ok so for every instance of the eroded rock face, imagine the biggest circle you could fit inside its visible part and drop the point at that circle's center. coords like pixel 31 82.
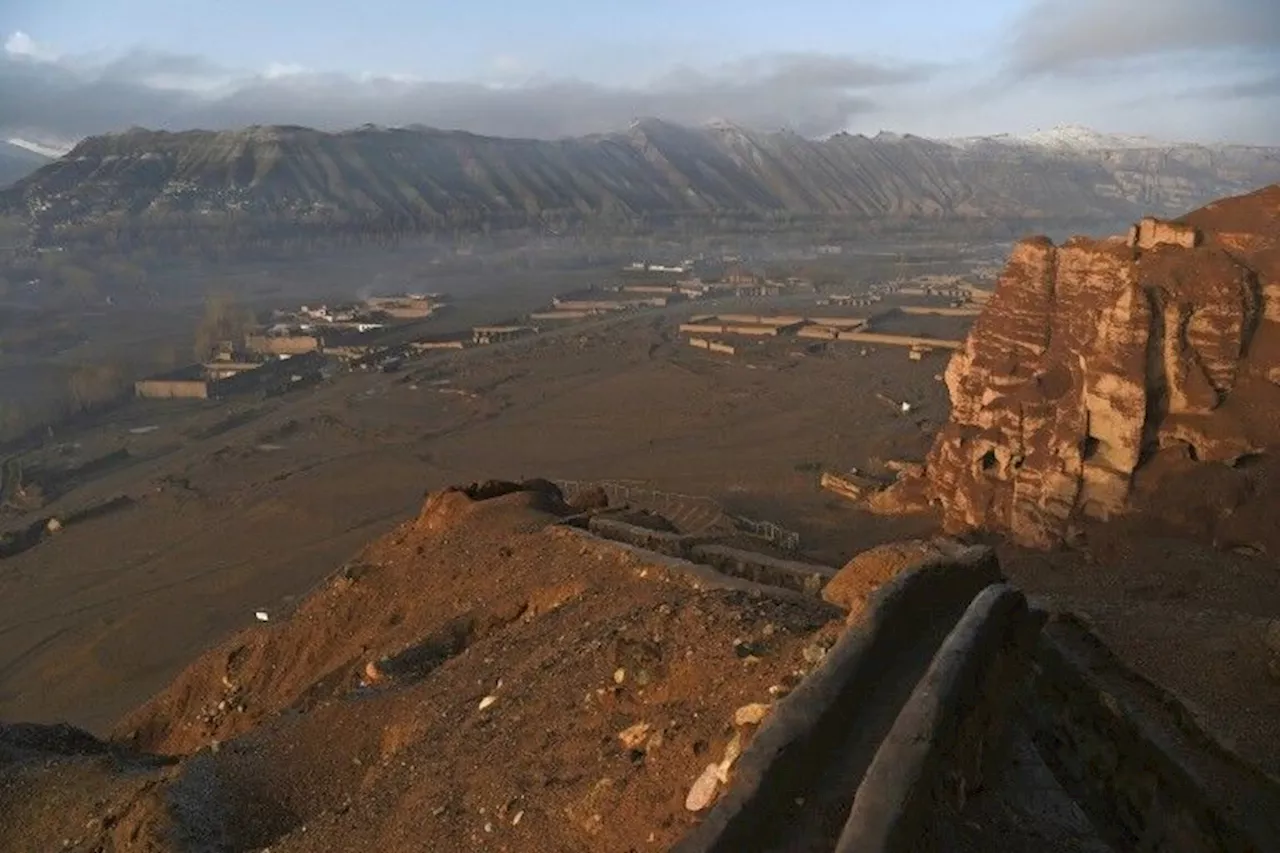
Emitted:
pixel 1092 356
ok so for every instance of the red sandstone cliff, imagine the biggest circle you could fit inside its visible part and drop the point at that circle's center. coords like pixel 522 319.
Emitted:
pixel 1097 360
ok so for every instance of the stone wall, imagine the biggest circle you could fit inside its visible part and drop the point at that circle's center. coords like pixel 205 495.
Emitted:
pixel 898 340
pixel 750 565
pixel 282 344
pixel 712 346
pixel 949 741
pixel 840 706
pixel 938 311
pixel 172 389
pixel 1152 232
pixel 662 541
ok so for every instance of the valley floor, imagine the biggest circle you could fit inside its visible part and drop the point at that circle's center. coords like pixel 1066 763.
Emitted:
pixel 246 506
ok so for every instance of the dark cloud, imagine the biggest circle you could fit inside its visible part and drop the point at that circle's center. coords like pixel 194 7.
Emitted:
pixel 813 94
pixel 1255 89
pixel 1084 35
pixel 54 101
pixel 147 67
pixel 817 70
pixel 1268 87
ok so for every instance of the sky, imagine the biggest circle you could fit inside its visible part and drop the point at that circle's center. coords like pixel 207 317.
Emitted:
pixel 1195 70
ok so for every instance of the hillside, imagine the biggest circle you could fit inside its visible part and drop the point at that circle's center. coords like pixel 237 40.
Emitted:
pixel 17 162
pixel 562 691
pixel 654 173
pixel 394 720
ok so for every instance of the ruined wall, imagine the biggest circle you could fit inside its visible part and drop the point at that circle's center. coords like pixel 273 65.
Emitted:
pixel 172 389
pixel 702 328
pixel 560 315
pixel 433 345
pixel 1152 232
pixel 712 346
pixel 839 322
pixel 937 311
pixel 760 331
pixel 753 566
pixel 282 344
pixel 898 340
pixel 761 319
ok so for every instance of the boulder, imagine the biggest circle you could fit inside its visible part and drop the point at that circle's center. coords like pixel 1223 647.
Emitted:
pixel 592 498
pixel 446 508
pixel 868 571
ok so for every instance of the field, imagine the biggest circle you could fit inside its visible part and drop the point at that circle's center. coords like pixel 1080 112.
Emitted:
pixel 244 505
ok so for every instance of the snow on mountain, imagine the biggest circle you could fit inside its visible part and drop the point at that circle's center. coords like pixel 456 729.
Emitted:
pixel 1072 138
pixel 1079 138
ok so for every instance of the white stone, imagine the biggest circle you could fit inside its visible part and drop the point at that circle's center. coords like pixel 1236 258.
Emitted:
pixel 751 715
pixel 633 737
pixel 703 792
pixel 731 752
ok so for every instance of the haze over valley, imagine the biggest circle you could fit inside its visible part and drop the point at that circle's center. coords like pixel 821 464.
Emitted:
pixel 704 427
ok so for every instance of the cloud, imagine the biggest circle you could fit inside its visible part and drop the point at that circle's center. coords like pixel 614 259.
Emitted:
pixel 276 70
pixel 68 98
pixel 19 44
pixel 1056 36
pixel 1253 89
pixel 159 70
pixel 825 71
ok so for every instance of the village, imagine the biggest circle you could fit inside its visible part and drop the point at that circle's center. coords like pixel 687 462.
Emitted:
pixel 300 346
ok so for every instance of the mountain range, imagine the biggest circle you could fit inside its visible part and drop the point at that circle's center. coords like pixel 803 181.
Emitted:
pixel 420 178
pixel 17 162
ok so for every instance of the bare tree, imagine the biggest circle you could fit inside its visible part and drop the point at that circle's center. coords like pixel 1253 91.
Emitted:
pixel 224 320
pixel 93 384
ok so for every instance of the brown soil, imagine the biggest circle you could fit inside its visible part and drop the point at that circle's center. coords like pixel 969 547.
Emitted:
pixel 575 640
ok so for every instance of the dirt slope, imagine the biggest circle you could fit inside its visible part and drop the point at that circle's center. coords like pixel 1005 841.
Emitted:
pixel 297 744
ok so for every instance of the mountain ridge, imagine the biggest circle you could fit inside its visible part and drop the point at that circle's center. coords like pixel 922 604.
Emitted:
pixel 423 178
pixel 17 162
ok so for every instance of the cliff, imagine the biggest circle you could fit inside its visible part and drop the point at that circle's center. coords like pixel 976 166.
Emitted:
pixel 1100 367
